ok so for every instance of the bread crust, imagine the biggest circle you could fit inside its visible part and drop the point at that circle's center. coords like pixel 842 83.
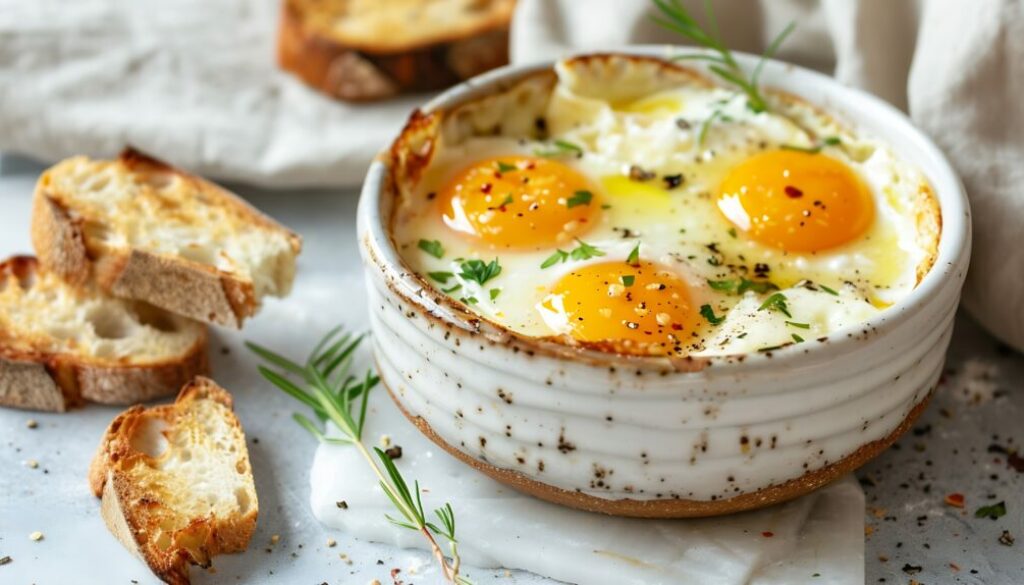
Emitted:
pixel 354 71
pixel 56 382
pixel 675 508
pixel 198 541
pixel 198 291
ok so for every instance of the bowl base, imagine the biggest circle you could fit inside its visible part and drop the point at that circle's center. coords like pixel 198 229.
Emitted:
pixel 675 508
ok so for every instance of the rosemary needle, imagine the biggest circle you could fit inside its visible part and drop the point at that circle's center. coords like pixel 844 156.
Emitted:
pixel 325 385
pixel 673 16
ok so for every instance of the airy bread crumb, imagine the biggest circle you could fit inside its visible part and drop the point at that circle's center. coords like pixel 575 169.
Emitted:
pixel 176 483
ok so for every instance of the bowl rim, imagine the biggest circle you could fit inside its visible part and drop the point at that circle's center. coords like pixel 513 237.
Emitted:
pixel 946 274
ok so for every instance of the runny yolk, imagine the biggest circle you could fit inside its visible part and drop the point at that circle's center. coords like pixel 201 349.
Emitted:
pixel 644 309
pixel 796 201
pixel 519 202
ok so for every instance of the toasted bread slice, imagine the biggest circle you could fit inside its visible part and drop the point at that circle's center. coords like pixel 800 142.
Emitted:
pixel 175 481
pixel 60 345
pixel 369 49
pixel 145 230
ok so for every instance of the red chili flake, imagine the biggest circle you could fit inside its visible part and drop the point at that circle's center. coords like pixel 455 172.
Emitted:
pixel 531 165
pixel 955 499
pixel 793 192
pixel 677 327
pixel 955 567
pixel 486 188
pixel 767 534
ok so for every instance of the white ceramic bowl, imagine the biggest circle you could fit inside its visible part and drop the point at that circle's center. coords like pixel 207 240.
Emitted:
pixel 645 436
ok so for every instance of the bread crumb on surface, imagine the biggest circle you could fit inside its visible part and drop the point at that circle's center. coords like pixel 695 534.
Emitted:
pixel 36 536
pixel 31 423
pixel 275 538
pixel 331 542
pixel 32 464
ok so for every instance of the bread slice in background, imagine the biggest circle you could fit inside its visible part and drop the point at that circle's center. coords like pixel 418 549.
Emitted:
pixel 361 50
pixel 176 483
pixel 61 345
pixel 145 230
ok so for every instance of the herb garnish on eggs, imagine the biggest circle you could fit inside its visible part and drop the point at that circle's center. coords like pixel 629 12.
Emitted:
pixel 629 226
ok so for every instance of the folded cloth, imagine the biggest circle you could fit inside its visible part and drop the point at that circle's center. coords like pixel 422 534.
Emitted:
pixel 194 82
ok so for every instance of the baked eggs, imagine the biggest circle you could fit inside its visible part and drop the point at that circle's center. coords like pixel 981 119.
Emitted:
pixel 578 274
pixel 662 216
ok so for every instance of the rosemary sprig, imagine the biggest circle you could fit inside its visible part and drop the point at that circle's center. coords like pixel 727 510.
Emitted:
pixel 325 385
pixel 720 60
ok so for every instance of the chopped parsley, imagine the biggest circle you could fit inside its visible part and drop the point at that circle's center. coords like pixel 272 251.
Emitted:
pixel 555 258
pixel 830 291
pixel 742 285
pixel 494 293
pixel 480 271
pixel 585 251
pixel 560 148
pixel 504 167
pixel 468 300
pixel 454 288
pixel 582 252
pixel 776 302
pixel 432 247
pixel 708 313
pixel 799 325
pixel 628 280
pixel 797 338
pixel 829 141
pixel 506 201
pixel 579 198
pixel 440 276
pixel 995 511
pixel 758 286
pixel 634 256
pixel 732 232
pixel 723 285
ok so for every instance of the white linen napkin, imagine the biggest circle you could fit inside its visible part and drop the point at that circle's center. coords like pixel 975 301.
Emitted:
pixel 192 81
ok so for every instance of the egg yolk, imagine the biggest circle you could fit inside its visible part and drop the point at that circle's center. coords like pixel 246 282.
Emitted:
pixel 796 201
pixel 643 309
pixel 518 202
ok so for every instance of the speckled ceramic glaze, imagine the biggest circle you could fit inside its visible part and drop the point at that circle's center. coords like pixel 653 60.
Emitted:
pixel 648 436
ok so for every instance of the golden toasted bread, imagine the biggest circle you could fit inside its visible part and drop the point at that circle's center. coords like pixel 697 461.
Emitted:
pixel 61 345
pixel 372 49
pixel 175 481
pixel 144 230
